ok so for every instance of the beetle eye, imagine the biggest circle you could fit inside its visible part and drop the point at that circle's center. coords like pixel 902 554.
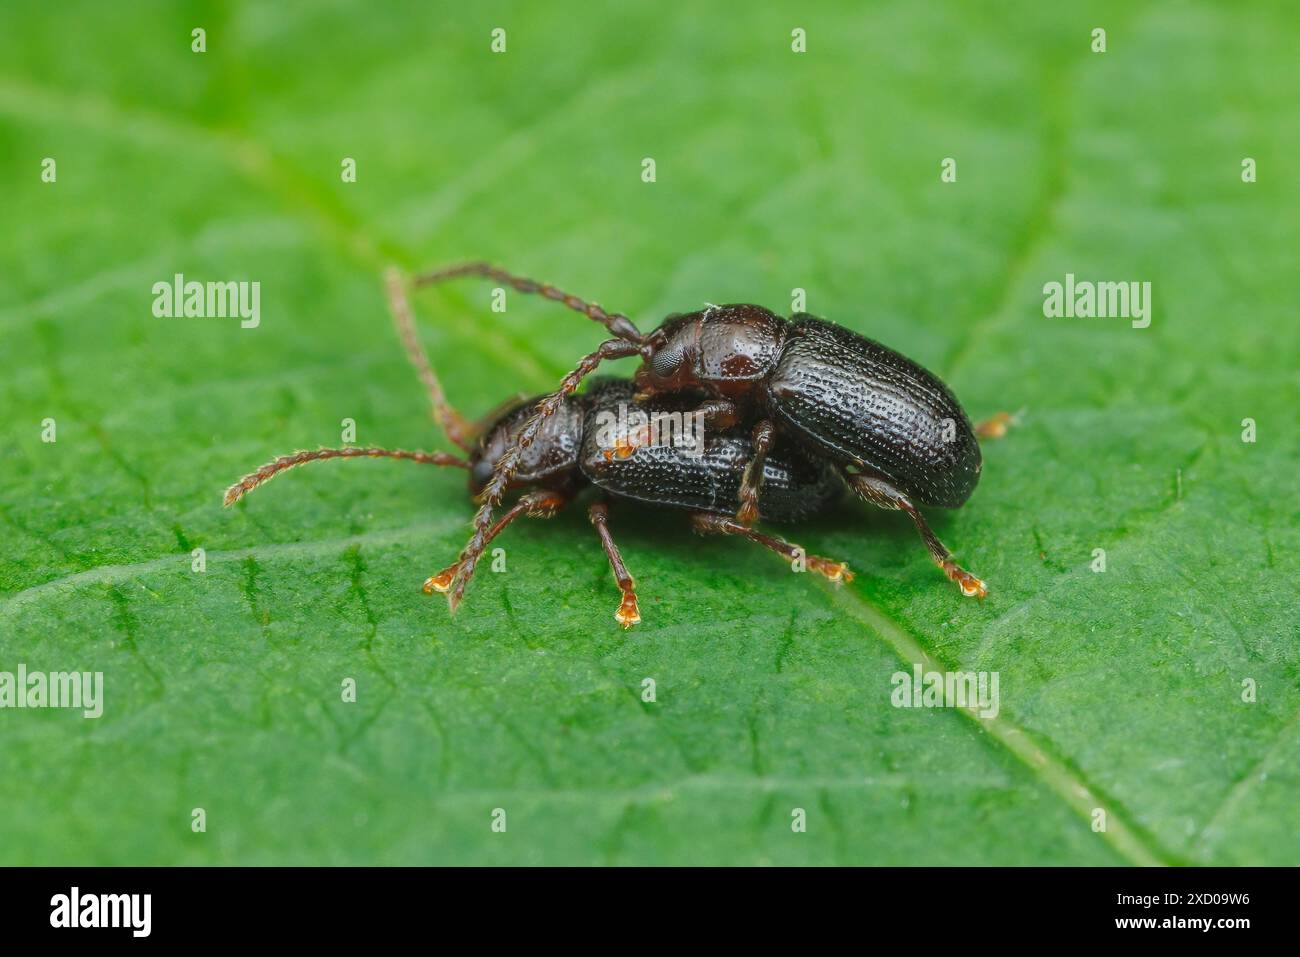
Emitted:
pixel 666 361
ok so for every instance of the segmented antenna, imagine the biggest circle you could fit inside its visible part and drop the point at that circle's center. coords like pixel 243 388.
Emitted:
pixel 618 324
pixel 284 462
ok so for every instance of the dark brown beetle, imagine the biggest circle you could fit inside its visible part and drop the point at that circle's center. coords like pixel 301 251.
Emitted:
pixel 574 449
pixel 895 432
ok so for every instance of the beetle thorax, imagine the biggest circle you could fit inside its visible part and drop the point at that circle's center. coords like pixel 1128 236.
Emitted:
pixel 722 349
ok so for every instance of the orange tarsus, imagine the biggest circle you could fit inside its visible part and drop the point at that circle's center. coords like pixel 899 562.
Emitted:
pixel 970 586
pixel 441 581
pixel 837 572
pixel 996 426
pixel 628 613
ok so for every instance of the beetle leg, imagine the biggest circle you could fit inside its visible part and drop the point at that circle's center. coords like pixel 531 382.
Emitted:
pixel 751 483
pixel 995 426
pixel 708 522
pixel 449 420
pixel 879 492
pixel 715 414
pixel 506 465
pixel 712 414
pixel 617 323
pixel 628 614
pixel 541 504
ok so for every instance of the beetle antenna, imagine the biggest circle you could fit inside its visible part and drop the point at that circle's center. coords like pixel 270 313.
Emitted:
pixel 449 420
pixel 272 469
pixel 508 463
pixel 618 324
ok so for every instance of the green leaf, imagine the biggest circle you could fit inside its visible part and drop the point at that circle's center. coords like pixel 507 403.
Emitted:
pixel 1119 690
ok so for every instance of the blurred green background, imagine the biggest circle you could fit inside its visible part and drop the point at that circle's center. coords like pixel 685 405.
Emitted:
pixel 1120 690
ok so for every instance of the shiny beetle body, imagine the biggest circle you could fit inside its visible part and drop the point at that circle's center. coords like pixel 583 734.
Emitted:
pixel 860 402
pixel 838 394
pixel 570 452
pixel 796 485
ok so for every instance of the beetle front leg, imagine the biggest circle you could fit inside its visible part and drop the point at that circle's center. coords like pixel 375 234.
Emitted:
pixel 628 613
pixel 540 504
pixel 879 492
pixel 719 414
pixel 751 483
pixel 506 465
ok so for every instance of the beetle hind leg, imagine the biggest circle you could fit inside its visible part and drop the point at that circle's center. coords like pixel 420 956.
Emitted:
pixel 628 613
pixel 881 493
pixel 707 523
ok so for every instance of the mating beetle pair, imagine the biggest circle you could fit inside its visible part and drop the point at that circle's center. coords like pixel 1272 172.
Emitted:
pixel 793 409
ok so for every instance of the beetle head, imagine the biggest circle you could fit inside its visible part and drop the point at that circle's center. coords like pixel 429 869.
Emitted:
pixel 483 460
pixel 722 349
pixel 548 459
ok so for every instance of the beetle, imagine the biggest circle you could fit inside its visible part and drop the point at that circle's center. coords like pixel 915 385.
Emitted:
pixel 894 431
pixel 590 442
